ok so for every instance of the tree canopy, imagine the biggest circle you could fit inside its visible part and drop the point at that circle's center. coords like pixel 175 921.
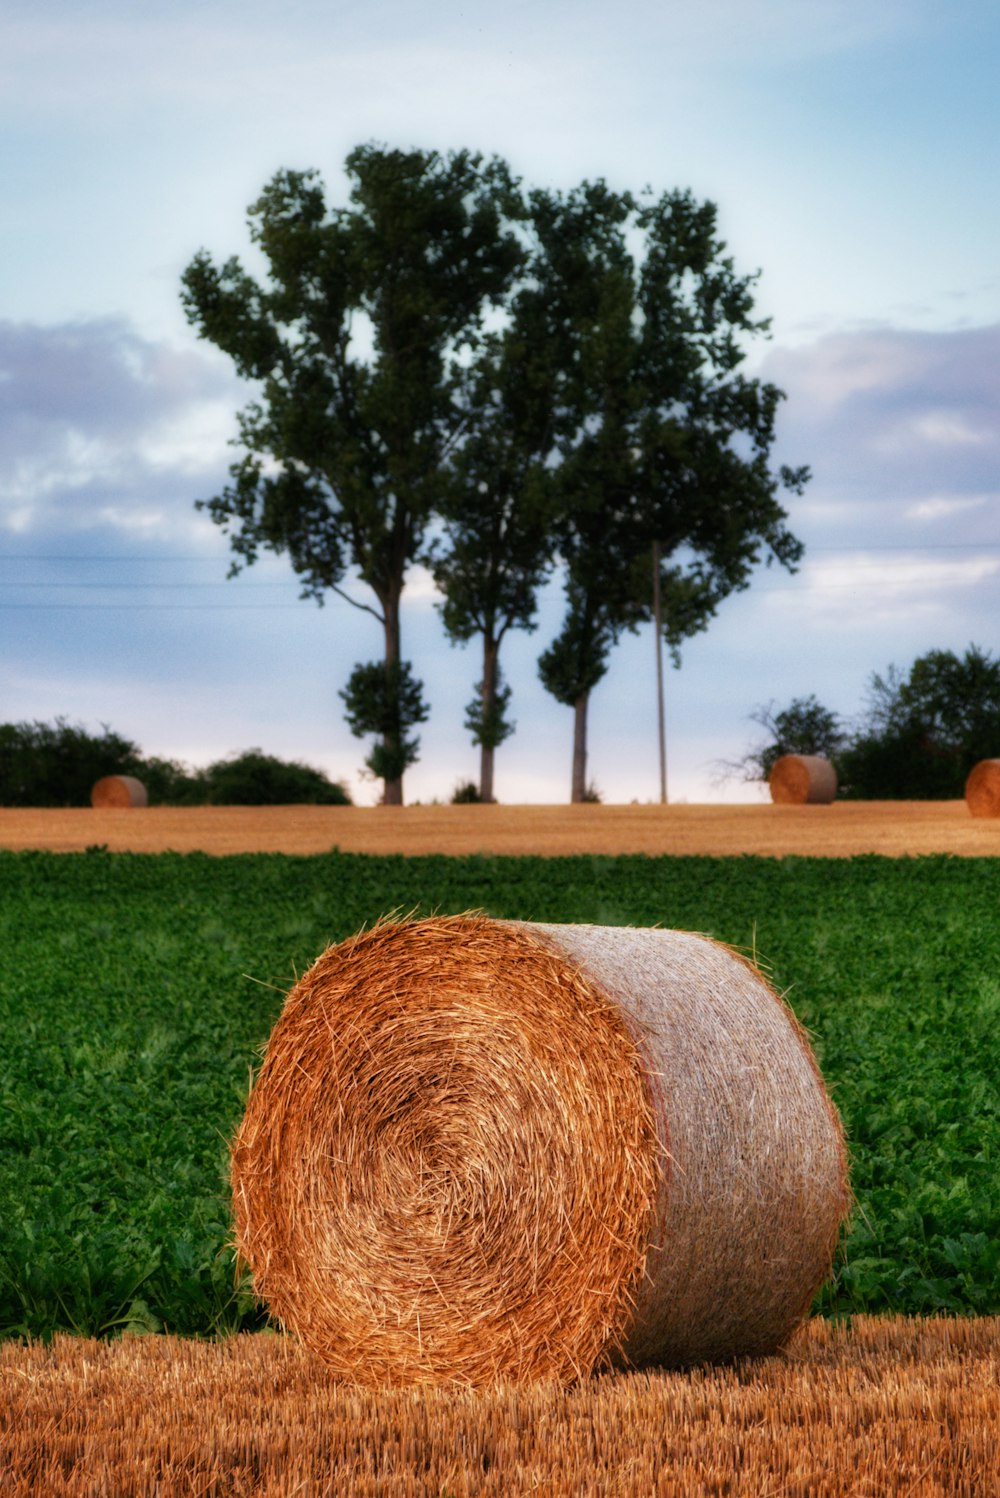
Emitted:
pixel 661 438
pixel 920 734
pixel 355 343
pixel 498 541
pixel 451 372
pixel 925 729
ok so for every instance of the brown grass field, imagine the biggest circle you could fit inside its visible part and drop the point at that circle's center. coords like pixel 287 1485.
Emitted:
pixel 889 1407
pixel 846 828
pixel 885 1407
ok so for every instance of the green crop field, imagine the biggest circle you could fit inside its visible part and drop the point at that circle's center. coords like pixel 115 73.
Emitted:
pixel 135 991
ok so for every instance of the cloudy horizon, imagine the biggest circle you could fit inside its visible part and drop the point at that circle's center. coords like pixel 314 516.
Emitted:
pixel 861 191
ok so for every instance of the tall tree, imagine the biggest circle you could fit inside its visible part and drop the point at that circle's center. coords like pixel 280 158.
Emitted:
pixel 498 543
pixel 662 438
pixel 357 341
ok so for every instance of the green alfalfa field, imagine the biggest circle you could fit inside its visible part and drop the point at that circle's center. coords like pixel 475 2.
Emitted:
pixel 136 990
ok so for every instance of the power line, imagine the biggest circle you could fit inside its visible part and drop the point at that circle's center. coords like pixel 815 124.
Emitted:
pixel 87 608
pixel 146 585
pixel 37 556
pixel 899 549
pixel 896 546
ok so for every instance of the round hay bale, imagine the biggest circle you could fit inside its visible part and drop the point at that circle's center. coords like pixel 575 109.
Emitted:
pixel 482 1150
pixel 119 790
pixel 803 779
pixel 982 789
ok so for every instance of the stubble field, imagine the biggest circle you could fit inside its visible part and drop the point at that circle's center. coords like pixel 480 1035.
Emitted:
pixel 842 830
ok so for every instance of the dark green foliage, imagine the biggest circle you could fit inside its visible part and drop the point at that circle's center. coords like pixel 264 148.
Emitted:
pixel 550 376
pixel 575 662
pixel 488 722
pixel 925 730
pixel 57 764
pixel 135 992
pixel 346 442
pixel 386 700
pixel 497 544
pixel 661 439
pixel 170 783
pixel 257 779
pixel 466 793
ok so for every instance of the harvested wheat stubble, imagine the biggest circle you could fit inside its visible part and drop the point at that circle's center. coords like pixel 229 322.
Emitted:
pixel 119 790
pixel 876 1408
pixel 802 780
pixel 982 789
pixel 481 1150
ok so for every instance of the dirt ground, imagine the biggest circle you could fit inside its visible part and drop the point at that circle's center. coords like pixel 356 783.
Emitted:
pixel 894 828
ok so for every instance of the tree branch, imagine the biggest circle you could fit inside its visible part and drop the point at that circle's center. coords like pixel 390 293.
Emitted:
pixel 348 599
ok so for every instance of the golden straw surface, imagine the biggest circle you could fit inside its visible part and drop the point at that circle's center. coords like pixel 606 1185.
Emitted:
pixel 118 791
pixel 802 779
pixel 982 789
pixel 447 1165
pixel 482 1150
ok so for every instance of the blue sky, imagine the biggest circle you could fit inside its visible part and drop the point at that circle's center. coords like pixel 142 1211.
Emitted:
pixel 852 151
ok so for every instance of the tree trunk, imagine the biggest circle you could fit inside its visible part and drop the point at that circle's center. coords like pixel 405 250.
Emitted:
pixel 486 772
pixel 579 791
pixel 392 794
pixel 488 692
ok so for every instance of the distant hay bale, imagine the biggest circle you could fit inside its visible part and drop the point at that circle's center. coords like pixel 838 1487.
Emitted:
pixel 482 1150
pixel 802 779
pixel 119 790
pixel 982 789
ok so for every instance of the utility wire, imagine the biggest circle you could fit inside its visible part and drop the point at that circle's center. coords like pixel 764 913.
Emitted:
pixel 12 556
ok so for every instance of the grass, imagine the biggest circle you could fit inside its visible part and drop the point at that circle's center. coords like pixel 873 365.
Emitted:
pixel 136 989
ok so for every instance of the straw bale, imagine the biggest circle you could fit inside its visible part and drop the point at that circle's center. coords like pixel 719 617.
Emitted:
pixel 119 791
pixel 481 1150
pixel 982 789
pixel 803 779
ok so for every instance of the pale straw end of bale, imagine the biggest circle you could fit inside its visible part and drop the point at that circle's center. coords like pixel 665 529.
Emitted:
pixel 802 779
pixel 118 791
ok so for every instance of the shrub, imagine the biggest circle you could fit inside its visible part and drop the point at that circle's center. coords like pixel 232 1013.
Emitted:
pixel 925 729
pixel 253 778
pixel 169 783
pixel 804 727
pixel 56 764
pixel 466 791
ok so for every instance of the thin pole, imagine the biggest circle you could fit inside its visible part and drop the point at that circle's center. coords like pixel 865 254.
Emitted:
pixel 658 627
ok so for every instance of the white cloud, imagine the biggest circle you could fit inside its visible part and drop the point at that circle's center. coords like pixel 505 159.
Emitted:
pixel 97 423
pixel 946 506
pixel 194 441
pixel 860 591
pixel 899 577
pixel 421 587
pixel 893 422
pixel 949 429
